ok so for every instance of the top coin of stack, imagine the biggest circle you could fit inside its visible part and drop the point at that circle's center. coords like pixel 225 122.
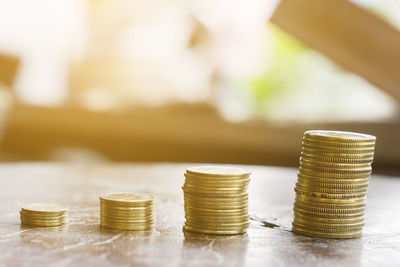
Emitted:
pixel 332 182
pixel 44 215
pixel 216 200
pixel 127 211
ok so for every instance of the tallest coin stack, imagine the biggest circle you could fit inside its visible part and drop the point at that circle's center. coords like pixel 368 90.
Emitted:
pixel 335 168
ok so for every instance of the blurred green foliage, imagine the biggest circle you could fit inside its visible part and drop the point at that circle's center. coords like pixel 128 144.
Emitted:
pixel 283 70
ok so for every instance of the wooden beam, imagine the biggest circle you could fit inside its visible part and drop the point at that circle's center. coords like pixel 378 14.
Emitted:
pixel 8 69
pixel 353 37
pixel 180 133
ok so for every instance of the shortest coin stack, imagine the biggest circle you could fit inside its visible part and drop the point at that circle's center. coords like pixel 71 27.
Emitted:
pixel 127 211
pixel 44 215
pixel 216 200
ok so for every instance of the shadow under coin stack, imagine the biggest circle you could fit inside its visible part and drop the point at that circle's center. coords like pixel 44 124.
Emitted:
pixel 125 211
pixel 44 215
pixel 335 168
pixel 216 200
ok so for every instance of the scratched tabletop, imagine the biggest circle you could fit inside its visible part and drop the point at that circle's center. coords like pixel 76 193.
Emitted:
pixel 268 242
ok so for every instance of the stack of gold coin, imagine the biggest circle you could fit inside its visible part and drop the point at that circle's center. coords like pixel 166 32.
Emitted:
pixel 127 211
pixel 44 215
pixel 335 168
pixel 216 200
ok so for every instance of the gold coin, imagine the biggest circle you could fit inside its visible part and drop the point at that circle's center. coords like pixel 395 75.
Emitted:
pixel 328 195
pixel 330 220
pixel 312 224
pixel 327 210
pixel 126 213
pixel 43 217
pixel 215 196
pixel 124 217
pixel 345 186
pixel 331 187
pixel 217 179
pixel 218 227
pixel 330 205
pixel 343 229
pixel 331 200
pixel 242 211
pixel 339 144
pixel 127 223
pixel 43 223
pixel 337 186
pixel 339 150
pixel 239 211
pixel 216 208
pixel 213 190
pixel 336 170
pixel 314 157
pixel 323 164
pixel 308 213
pixel 215 232
pixel 45 208
pixel 216 205
pixel 340 136
pixel 212 210
pixel 216 202
pixel 127 199
pixel 332 180
pixel 300 231
pixel 221 218
pixel 218 186
pixel 145 208
pixel 336 144
pixel 232 231
pixel 127 209
pixel 212 185
pixel 127 227
pixel 337 156
pixel 333 175
pixel 219 207
pixel 217 171
pixel 218 220
pixel 316 189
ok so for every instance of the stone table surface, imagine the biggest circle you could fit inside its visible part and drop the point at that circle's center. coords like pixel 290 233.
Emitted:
pixel 269 241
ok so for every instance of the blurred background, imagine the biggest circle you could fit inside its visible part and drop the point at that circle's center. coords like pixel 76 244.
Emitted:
pixel 194 81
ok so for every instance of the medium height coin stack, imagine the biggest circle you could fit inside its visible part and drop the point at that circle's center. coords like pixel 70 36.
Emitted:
pixel 126 211
pixel 335 168
pixel 216 200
